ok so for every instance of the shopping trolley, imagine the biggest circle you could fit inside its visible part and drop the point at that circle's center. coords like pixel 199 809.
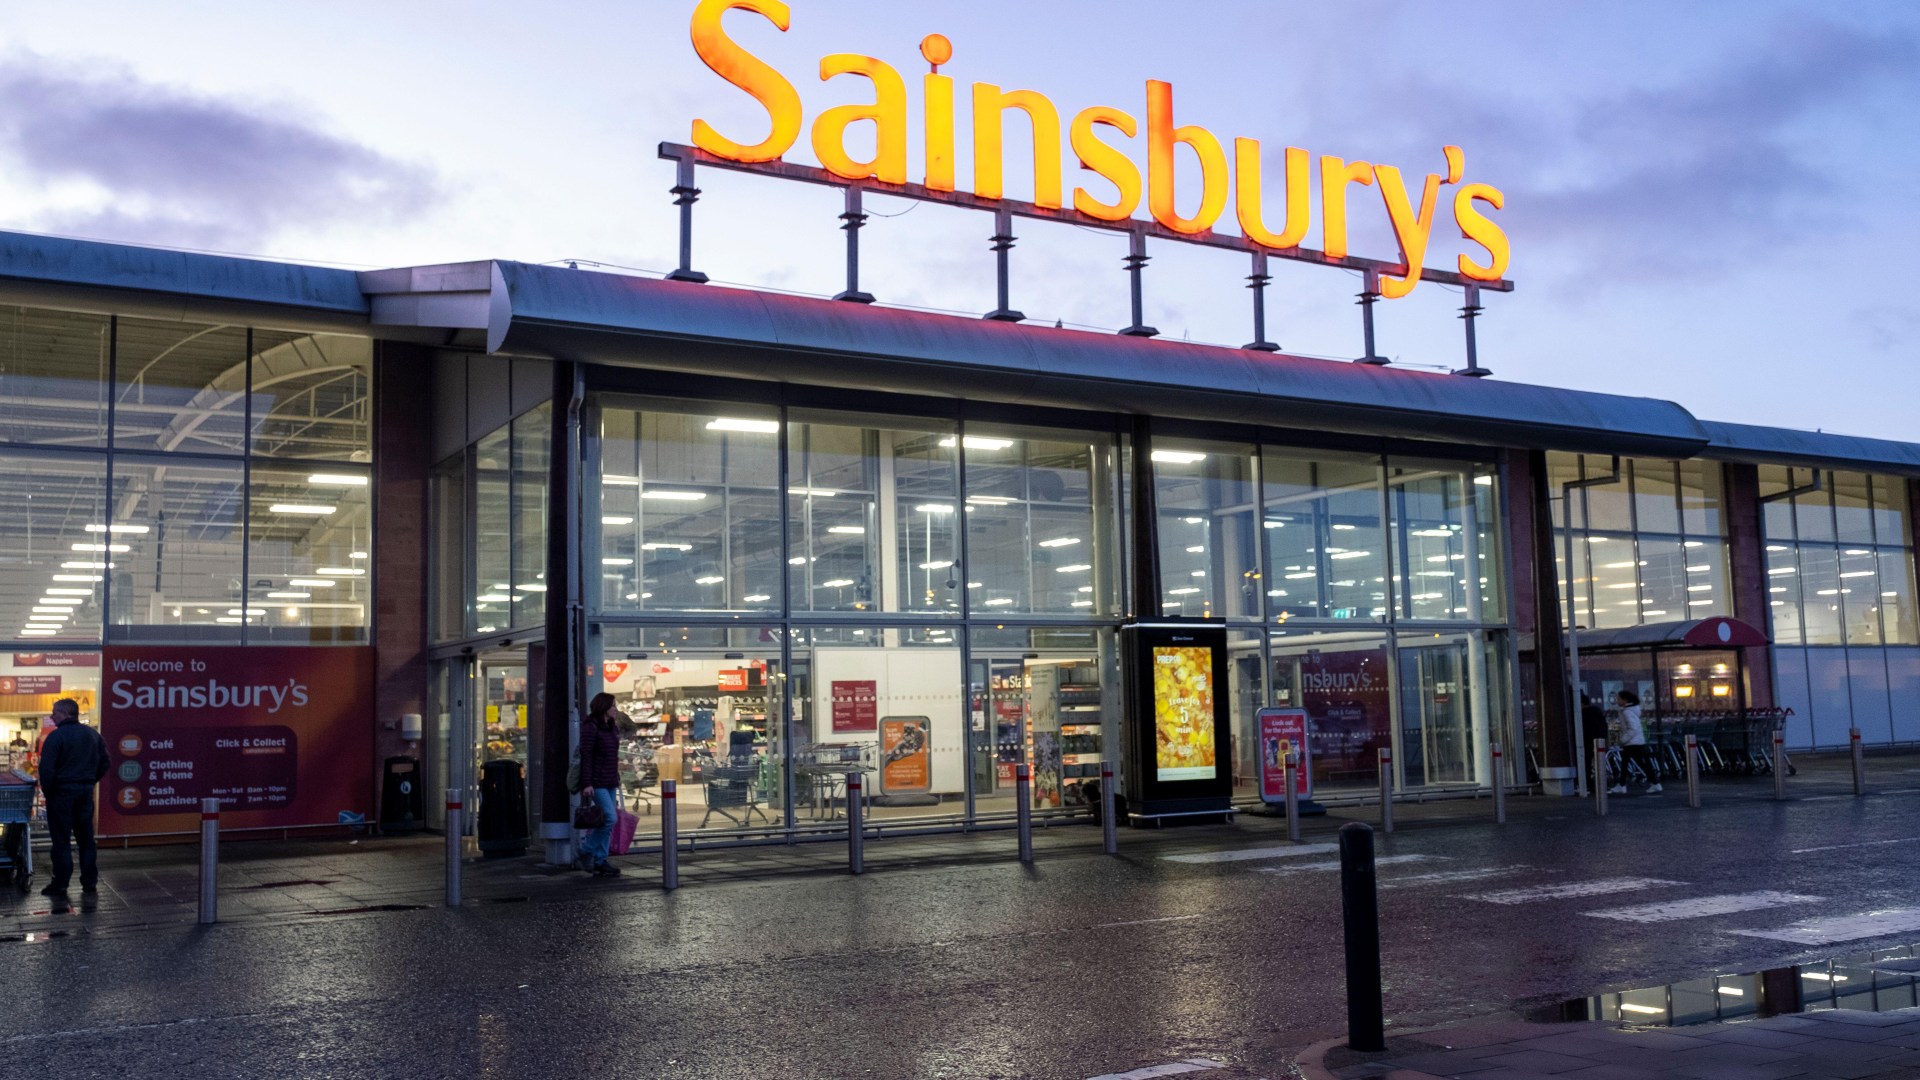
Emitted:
pixel 16 827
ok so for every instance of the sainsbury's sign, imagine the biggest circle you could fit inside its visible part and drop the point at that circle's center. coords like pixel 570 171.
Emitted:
pixel 1103 140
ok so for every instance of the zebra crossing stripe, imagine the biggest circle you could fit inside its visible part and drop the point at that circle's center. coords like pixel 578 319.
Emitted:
pixel 1249 854
pixel 1701 906
pixel 1451 877
pixel 1173 1068
pixel 1842 927
pixel 1334 864
pixel 1571 890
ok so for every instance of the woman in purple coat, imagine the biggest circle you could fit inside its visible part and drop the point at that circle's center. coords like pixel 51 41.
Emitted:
pixel 600 781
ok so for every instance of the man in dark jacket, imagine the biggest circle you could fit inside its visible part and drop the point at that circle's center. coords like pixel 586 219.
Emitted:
pixel 72 761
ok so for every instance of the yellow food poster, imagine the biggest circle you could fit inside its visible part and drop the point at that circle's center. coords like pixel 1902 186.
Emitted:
pixel 1183 713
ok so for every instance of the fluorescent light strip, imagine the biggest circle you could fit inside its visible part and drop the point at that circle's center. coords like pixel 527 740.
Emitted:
pixel 302 509
pixel 1177 457
pixel 118 529
pixel 735 423
pixel 674 496
pixel 322 479
pixel 313 583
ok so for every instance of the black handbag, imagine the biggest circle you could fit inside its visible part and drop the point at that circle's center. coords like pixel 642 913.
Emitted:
pixel 589 816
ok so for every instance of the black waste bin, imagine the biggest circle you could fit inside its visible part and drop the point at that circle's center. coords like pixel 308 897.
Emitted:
pixel 503 808
pixel 401 807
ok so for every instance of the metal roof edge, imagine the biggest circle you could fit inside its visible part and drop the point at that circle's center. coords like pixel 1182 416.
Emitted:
pixel 1229 385
pixel 168 283
pixel 1787 446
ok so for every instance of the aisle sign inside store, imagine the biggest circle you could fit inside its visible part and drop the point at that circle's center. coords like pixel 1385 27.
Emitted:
pixel 1102 139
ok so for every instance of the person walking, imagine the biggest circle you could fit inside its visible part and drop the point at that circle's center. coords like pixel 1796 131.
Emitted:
pixel 72 761
pixel 599 782
pixel 1633 745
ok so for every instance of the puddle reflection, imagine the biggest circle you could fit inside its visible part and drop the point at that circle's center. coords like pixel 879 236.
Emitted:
pixel 1878 981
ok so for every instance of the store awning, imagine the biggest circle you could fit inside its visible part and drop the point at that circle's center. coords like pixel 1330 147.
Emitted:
pixel 1718 632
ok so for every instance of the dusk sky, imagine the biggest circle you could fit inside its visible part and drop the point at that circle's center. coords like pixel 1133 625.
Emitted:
pixel 1712 203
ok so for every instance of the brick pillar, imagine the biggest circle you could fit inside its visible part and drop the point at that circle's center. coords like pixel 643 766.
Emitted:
pixel 1747 574
pixel 403 444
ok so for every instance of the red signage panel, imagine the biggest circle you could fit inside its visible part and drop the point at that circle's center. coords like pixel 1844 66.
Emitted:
pixel 29 684
pixel 1283 732
pixel 856 705
pixel 281 735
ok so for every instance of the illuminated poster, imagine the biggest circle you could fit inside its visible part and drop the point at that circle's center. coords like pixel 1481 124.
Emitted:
pixel 1283 732
pixel 281 735
pixel 906 764
pixel 1183 687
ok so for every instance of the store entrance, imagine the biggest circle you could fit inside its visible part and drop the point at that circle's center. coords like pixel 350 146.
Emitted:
pixel 480 715
pixel 1041 708
pixel 710 720
pixel 1437 709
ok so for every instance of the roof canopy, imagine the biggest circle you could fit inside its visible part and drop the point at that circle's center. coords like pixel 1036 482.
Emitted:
pixel 1718 632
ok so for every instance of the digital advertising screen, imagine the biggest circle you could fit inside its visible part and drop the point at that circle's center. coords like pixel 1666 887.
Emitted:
pixel 1183 710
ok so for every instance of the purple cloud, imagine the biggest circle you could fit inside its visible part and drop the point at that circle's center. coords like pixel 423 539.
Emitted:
pixel 189 169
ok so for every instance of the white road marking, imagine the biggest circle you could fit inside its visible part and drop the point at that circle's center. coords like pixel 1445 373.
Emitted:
pixel 1842 927
pixel 1249 854
pixel 1602 887
pixel 1863 843
pixel 1175 1068
pixel 1702 906
pixel 1142 922
pixel 1452 877
pixel 1334 864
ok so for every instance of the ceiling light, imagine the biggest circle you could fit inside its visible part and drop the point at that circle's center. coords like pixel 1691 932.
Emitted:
pixel 1275 524
pixel 848 530
pixel 486 598
pixel 49 618
pixel 941 565
pixel 980 442
pixel 1181 592
pixel 115 548
pixel 1647 1010
pixel 666 547
pixel 69 592
pixel 323 479
pixel 1177 457
pixel 1069 541
pixel 1074 569
pixel 934 508
pixel 312 583
pixel 64 603
pixel 818 493
pixel 38 631
pixel 79 577
pixel 531 587
pixel 1352 554
pixel 1000 601
pixel 81 565
pixel 52 609
pixel 673 496
pixel 1197 549
pixel 1429 532
pixel 305 509
pixel 356 554
pixel 289 596
pixel 756 598
pixel 616 519
pixel 836 583
pixel 340 571
pixel 1198 573
pixel 247 611
pixel 616 562
pixel 734 423
pixel 118 529
pixel 1082 603
pixel 710 579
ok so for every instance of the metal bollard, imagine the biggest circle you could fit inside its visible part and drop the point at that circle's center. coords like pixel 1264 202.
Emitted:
pixel 1291 768
pixel 1859 761
pixel 1693 771
pixel 1385 760
pixel 1360 913
pixel 209 861
pixel 1109 828
pixel 856 826
pixel 669 834
pixel 1023 792
pixel 453 847
pixel 1779 764
pixel 1499 788
pixel 1600 777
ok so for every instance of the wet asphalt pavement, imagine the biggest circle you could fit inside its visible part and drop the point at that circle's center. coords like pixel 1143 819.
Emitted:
pixel 1078 966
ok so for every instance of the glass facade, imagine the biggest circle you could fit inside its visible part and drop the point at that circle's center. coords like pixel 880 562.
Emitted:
pixel 175 482
pixel 1839 557
pixel 1649 541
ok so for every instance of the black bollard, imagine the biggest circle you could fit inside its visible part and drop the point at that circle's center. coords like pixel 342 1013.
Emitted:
pixel 1360 910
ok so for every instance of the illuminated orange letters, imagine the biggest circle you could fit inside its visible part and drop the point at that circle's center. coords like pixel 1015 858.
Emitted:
pixel 750 73
pixel 1101 152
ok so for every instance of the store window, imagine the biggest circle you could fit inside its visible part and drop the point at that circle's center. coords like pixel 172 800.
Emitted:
pixel 531 435
pixel 56 546
pixel 311 396
pixel 309 556
pixel 1344 680
pixel 1648 544
pixel 451 585
pixel 873 511
pixel 690 507
pixel 1049 697
pixel 1040 521
pixel 1446 547
pixel 175 540
pixel 179 387
pixel 1326 546
pixel 1208 529
pixel 53 377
